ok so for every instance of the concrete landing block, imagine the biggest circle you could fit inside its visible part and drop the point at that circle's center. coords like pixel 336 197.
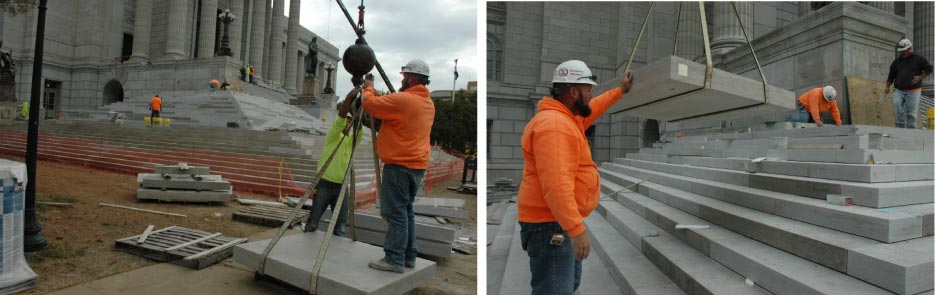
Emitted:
pixel 424 229
pixel 674 91
pixel 376 238
pixel 344 270
pixel 182 196
pixel 905 267
pixel 174 169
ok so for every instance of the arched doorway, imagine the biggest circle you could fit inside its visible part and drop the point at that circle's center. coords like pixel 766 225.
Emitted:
pixel 113 92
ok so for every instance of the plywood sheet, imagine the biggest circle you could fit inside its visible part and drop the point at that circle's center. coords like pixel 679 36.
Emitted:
pixel 863 95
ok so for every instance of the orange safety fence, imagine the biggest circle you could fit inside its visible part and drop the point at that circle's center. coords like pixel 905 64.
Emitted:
pixel 265 175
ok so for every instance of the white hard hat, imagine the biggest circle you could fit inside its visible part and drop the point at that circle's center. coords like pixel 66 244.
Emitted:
pixel 416 66
pixel 829 93
pixel 574 72
pixel 904 44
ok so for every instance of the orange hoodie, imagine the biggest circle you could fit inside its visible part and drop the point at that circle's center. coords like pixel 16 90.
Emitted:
pixel 407 124
pixel 560 180
pixel 814 101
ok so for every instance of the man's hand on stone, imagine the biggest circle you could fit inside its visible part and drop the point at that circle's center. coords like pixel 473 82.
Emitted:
pixel 582 244
pixel 626 81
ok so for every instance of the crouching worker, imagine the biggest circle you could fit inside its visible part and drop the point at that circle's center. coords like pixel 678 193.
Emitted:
pixel 814 102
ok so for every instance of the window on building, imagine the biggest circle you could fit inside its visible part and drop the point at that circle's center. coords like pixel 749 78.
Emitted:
pixel 127 49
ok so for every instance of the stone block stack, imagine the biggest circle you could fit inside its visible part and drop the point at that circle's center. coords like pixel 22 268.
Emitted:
pixel 183 183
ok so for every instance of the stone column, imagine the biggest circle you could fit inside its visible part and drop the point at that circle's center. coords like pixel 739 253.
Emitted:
pixel 266 33
pixel 175 29
pixel 206 32
pixel 292 40
pixel 275 42
pixel 256 36
pixel 727 33
pixel 236 27
pixel 922 22
pixel 690 43
pixel 141 28
pixel 887 6
pixel 805 7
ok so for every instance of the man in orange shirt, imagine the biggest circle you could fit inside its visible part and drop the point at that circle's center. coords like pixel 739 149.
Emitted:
pixel 814 102
pixel 155 105
pixel 560 182
pixel 403 145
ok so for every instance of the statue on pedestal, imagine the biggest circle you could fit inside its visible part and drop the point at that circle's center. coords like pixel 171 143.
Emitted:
pixel 311 66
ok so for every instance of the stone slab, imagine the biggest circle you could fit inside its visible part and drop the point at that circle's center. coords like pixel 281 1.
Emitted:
pixel 498 252
pixel 439 202
pixel 905 267
pixel 674 91
pixel 186 183
pixel 427 247
pixel 440 211
pixel 182 195
pixel 344 270
pixel 174 169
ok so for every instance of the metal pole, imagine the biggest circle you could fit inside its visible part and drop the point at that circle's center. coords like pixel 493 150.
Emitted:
pixel 453 82
pixel 34 240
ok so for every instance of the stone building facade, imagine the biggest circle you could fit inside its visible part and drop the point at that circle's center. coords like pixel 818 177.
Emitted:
pixel 102 51
pixel 800 45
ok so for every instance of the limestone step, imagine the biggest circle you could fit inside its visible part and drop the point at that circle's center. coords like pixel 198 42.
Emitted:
pixel 827 131
pixel 878 195
pixel 595 278
pixel 632 272
pixel 498 250
pixel 885 225
pixel 851 156
pixel 829 248
pixel 772 269
pixel 833 171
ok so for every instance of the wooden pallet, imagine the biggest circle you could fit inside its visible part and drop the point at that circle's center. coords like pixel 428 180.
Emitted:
pixel 179 245
pixel 269 215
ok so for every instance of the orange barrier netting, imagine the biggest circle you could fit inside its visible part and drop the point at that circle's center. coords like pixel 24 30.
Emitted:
pixel 247 173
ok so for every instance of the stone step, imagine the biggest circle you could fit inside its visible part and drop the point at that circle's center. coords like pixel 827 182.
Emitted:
pixel 829 248
pixel 631 271
pixel 292 260
pixel 595 278
pixel 834 171
pixel 498 252
pixel 878 195
pixel 772 269
pixel 886 225
pixel 827 131
pixel 852 156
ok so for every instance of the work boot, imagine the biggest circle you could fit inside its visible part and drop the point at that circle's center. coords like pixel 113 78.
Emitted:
pixel 381 264
pixel 410 264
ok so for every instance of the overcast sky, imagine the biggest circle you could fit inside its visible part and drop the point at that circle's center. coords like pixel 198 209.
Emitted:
pixel 436 31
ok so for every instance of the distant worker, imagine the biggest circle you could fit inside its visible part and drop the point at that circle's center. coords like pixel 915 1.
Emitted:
pixel 329 187
pixel 814 102
pixel 24 112
pixel 243 73
pixel 225 86
pixel 252 72
pixel 403 145
pixel 215 84
pixel 155 105
pixel 560 184
pixel 907 72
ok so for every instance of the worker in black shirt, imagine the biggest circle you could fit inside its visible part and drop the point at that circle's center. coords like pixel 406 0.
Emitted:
pixel 907 72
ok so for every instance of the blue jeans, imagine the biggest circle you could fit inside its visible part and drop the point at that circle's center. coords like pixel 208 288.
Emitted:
pixel 802 115
pixel 326 194
pixel 397 193
pixel 906 108
pixel 554 267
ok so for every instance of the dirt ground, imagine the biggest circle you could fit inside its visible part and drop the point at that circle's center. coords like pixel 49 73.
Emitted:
pixel 81 238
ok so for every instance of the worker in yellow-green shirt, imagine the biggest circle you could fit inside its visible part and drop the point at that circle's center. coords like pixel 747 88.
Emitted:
pixel 329 187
